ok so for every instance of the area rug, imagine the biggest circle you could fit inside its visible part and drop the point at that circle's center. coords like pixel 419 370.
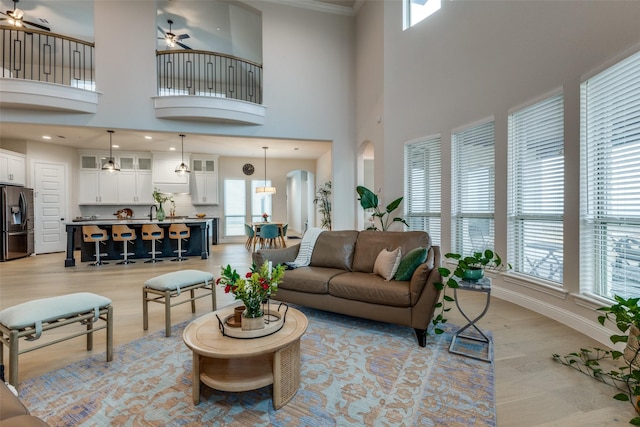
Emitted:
pixel 354 372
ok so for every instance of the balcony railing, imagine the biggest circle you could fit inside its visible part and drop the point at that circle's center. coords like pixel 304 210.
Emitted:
pixel 202 73
pixel 46 57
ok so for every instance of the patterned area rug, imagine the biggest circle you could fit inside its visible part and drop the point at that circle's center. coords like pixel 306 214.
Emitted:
pixel 354 372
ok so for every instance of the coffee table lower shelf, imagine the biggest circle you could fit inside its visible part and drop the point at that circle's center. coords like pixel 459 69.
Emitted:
pixel 244 374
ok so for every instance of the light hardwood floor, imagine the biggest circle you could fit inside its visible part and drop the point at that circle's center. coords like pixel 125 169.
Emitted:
pixel 531 389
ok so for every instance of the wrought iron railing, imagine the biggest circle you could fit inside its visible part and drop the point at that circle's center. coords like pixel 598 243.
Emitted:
pixel 47 57
pixel 203 73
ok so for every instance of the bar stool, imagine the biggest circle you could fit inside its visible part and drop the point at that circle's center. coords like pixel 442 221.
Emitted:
pixel 93 233
pixel 179 232
pixel 154 233
pixel 122 233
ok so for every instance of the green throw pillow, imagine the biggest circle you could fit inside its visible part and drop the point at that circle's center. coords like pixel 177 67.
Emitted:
pixel 410 262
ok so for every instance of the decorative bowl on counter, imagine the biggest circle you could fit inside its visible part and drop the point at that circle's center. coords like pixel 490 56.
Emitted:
pixel 201 215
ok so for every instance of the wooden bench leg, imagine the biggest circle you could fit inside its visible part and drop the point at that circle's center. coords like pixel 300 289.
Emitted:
pixel 214 305
pixel 145 310
pixel 109 334
pixel 13 358
pixel 193 301
pixel 167 313
pixel 89 334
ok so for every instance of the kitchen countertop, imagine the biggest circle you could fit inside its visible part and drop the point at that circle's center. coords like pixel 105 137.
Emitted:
pixel 108 221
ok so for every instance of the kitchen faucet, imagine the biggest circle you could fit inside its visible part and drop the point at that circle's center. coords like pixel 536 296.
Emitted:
pixel 151 212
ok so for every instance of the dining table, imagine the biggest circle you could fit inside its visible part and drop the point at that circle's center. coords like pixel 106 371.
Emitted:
pixel 256 231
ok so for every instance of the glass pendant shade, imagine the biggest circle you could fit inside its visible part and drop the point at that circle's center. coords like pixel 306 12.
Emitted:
pixel 111 165
pixel 182 168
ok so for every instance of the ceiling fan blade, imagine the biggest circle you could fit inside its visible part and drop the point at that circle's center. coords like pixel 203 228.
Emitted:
pixel 6 14
pixel 33 24
pixel 184 46
pixel 182 37
pixel 162 31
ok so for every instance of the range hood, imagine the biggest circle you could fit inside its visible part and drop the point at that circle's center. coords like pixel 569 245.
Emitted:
pixel 164 177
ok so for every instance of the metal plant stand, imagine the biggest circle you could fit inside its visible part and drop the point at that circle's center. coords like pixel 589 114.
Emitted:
pixel 482 285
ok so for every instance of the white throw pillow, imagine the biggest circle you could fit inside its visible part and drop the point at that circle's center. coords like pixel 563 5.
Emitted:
pixel 387 263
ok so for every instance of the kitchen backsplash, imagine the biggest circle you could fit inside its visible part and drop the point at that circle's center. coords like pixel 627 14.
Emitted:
pixel 184 207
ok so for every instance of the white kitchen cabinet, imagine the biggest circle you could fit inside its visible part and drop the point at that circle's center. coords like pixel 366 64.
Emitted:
pixel 204 189
pixel 134 180
pixel 12 168
pixel 97 187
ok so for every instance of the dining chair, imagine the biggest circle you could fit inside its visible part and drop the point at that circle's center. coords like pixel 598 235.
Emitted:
pixel 268 235
pixel 248 231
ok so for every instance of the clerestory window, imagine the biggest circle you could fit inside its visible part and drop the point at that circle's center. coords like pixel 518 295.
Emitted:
pixel 415 11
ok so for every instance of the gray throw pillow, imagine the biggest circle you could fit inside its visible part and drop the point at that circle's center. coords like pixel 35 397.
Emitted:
pixel 410 262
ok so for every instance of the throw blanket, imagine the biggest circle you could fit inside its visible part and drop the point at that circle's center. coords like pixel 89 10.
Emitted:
pixel 306 248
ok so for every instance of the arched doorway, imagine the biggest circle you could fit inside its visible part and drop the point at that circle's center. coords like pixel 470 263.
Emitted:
pixel 300 193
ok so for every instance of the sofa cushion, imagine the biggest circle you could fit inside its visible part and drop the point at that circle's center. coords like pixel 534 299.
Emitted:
pixel 334 249
pixel 387 263
pixel 370 288
pixel 370 243
pixel 313 280
pixel 410 262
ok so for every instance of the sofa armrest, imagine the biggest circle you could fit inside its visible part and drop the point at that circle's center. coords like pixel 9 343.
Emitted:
pixel 425 275
pixel 276 256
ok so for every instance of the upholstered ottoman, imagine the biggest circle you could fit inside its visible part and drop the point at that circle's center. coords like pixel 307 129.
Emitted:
pixel 162 288
pixel 30 319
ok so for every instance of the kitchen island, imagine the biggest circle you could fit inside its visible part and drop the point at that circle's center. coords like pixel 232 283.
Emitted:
pixel 198 243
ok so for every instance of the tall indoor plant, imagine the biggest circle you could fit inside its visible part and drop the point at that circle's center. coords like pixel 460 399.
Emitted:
pixel 369 200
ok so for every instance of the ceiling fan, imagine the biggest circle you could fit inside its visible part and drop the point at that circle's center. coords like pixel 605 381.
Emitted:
pixel 171 39
pixel 14 17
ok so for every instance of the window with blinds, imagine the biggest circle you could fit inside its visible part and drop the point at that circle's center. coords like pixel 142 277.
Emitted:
pixel 422 187
pixel 473 193
pixel 610 181
pixel 536 189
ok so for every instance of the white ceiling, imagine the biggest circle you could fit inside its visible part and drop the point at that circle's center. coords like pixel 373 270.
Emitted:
pixel 126 140
pixel 75 19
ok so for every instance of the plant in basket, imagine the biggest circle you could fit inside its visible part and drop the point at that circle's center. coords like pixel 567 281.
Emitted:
pixel 257 285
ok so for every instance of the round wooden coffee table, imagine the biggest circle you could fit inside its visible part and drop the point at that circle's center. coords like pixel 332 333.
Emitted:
pixel 233 364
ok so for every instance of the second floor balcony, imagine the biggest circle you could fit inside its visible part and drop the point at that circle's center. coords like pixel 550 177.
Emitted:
pixel 43 70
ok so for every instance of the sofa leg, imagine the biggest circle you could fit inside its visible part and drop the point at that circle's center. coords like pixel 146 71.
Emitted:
pixel 421 334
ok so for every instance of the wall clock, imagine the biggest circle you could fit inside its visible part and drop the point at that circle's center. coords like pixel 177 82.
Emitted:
pixel 248 169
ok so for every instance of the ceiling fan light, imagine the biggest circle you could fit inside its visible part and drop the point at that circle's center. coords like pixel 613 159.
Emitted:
pixel 17 14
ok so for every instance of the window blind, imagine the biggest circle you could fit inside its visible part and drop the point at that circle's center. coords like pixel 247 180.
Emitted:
pixel 473 191
pixel 422 187
pixel 536 189
pixel 610 181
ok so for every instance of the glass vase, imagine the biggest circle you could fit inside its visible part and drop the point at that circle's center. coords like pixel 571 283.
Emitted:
pixel 160 215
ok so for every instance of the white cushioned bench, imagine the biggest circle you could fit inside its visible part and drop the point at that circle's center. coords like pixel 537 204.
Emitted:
pixel 30 319
pixel 162 288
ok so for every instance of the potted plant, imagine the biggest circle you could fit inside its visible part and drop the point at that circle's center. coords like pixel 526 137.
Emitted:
pixel 323 202
pixel 467 268
pixel 160 198
pixel 369 200
pixel 253 289
pixel 613 367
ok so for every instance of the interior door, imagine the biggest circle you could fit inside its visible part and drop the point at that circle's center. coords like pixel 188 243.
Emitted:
pixel 50 182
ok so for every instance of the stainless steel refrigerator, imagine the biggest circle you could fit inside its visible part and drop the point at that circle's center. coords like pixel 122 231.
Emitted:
pixel 17 222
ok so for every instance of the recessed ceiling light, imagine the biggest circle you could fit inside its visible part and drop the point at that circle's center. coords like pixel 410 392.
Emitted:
pixel 46 137
pixel 147 137
pixel 115 146
pixel 296 149
pixel 172 148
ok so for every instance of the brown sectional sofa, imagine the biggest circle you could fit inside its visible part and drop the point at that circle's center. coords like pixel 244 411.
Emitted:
pixel 340 278
pixel 13 413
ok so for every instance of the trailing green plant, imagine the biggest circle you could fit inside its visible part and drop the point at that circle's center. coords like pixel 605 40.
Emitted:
pixel 369 200
pixel 323 203
pixel 622 370
pixel 486 259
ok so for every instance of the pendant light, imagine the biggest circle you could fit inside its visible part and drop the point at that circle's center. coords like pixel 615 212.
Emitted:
pixel 265 189
pixel 182 168
pixel 111 166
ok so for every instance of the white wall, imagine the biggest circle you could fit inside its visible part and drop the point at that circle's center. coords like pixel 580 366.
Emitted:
pixel 474 60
